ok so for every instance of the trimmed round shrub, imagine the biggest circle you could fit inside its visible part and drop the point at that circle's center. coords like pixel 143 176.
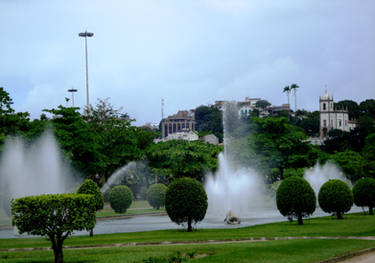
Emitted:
pixel 364 193
pixel 90 187
pixel 120 198
pixel 186 201
pixel 295 198
pixel 336 197
pixel 156 195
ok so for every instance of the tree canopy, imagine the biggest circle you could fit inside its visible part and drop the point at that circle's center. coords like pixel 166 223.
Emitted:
pixel 280 145
pixel 209 119
pixel 54 217
pixel 295 198
pixel 186 201
pixel 179 158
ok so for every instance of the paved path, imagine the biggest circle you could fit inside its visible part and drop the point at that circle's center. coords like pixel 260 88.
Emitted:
pixel 365 258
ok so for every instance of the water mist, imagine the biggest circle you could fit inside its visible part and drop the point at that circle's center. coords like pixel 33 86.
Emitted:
pixel 320 174
pixel 34 169
pixel 236 188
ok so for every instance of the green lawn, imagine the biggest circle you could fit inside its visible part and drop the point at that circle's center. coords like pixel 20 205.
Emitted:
pixel 267 251
pixel 352 225
pixel 137 207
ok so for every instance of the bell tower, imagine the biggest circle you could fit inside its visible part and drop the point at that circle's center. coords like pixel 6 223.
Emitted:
pixel 326 109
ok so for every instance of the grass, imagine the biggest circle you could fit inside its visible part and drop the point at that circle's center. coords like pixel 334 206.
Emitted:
pixel 138 207
pixel 352 225
pixel 270 251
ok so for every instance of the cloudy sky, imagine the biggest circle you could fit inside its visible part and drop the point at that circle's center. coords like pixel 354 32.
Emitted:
pixel 189 52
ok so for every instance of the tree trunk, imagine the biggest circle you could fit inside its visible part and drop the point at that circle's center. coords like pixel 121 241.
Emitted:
pixel 300 221
pixel 339 215
pixel 370 210
pixel 91 232
pixel 58 252
pixel 189 225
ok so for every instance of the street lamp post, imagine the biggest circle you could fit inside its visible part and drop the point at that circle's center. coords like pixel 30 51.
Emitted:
pixel 86 35
pixel 72 90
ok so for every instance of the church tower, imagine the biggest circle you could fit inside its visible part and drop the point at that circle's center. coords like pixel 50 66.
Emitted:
pixel 326 114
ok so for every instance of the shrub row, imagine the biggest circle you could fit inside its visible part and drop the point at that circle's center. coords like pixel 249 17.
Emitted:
pixel 295 198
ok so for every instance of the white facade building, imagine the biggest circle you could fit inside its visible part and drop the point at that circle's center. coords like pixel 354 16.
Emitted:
pixel 332 118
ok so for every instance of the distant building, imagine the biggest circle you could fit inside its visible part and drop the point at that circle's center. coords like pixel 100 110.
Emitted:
pixel 210 138
pixel 275 109
pixel 183 121
pixel 246 107
pixel 332 117
pixel 184 135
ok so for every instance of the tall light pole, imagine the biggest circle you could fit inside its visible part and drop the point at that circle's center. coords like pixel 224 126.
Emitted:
pixel 72 90
pixel 86 35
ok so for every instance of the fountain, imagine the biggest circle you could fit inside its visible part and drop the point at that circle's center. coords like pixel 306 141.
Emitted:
pixel 33 169
pixel 320 174
pixel 236 189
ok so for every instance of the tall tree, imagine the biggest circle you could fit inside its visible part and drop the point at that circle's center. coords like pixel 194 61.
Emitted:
pixel 179 158
pixel 287 90
pixel 351 106
pixel 209 119
pixel 280 145
pixel 119 142
pixel 294 87
pixel 11 122
pixel 79 143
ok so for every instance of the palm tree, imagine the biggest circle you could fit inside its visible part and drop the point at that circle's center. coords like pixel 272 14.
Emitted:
pixel 294 87
pixel 287 90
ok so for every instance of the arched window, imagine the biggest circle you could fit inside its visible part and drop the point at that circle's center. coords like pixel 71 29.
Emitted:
pixel 324 106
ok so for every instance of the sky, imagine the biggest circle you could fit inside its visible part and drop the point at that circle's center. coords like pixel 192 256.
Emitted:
pixel 188 52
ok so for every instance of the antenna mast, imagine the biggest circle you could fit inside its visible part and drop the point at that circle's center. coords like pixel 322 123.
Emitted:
pixel 162 108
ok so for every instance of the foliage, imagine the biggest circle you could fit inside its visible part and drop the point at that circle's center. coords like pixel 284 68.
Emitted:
pixel 351 106
pixel 119 142
pixel 100 142
pixel 294 172
pixel 262 104
pixel 11 122
pixel 335 196
pixel 295 198
pixel 156 195
pixel 367 107
pixel 280 145
pixel 368 154
pixel 120 198
pixel 90 187
pixel 179 158
pixel 364 193
pixel 186 201
pixel 209 119
pixel 54 216
pixel 351 163
pixel 310 124
pixel 76 139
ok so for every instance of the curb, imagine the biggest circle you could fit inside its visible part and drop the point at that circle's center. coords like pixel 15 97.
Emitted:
pixel 348 256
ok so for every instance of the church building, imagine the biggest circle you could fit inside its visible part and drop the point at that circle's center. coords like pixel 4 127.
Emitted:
pixel 332 117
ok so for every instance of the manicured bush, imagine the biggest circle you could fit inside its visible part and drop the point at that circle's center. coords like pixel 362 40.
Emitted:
pixel 335 196
pixel 364 193
pixel 295 198
pixel 90 187
pixel 120 198
pixel 156 195
pixel 186 201
pixel 54 216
